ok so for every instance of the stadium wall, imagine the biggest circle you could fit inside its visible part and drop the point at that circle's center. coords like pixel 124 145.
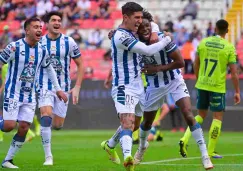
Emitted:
pixel 96 109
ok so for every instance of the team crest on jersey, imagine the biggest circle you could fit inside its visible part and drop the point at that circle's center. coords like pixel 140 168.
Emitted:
pixel 32 58
pixel 28 73
pixel 55 62
pixel 53 48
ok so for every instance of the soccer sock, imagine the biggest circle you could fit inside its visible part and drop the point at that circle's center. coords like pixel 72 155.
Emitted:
pixel 188 133
pixel 214 133
pixel 126 142
pixel 16 144
pixel 143 136
pixel 197 133
pixel 46 134
pixel 135 135
pixel 114 140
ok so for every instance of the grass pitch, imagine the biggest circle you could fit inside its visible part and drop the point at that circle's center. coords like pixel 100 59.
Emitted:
pixel 81 151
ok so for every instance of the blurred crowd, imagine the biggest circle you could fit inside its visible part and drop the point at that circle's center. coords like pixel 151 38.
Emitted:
pixel 186 39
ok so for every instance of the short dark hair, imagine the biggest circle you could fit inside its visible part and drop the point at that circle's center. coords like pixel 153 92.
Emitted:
pixel 222 26
pixel 48 16
pixel 130 7
pixel 29 21
pixel 147 15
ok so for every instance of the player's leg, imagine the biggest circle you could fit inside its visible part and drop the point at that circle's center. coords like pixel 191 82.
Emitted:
pixel 173 123
pixel 202 106
pixel 46 121
pixel 217 106
pixel 25 118
pixel 135 134
pixel 59 113
pixel 46 103
pixel 182 99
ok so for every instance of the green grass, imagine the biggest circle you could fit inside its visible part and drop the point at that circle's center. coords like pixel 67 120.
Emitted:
pixel 80 150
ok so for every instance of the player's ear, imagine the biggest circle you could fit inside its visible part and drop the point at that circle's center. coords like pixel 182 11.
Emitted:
pixel 227 30
pixel 125 17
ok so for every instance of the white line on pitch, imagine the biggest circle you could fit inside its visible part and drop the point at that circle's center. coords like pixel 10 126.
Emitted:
pixel 166 164
pixel 189 158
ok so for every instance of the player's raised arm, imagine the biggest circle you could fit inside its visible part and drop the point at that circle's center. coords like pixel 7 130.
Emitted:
pixel 75 55
pixel 8 53
pixel 128 42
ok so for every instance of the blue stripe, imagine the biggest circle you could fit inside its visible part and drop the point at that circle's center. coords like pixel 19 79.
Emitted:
pixel 16 64
pixel 9 78
pixel 162 57
pixel 41 69
pixel 156 80
pixel 26 61
pixel 48 45
pixel 178 71
pixel 66 63
pixel 115 61
pixel 171 50
pixel 125 66
pixel 172 76
pixel 131 46
pixel 58 55
pixel 35 64
pixel 135 62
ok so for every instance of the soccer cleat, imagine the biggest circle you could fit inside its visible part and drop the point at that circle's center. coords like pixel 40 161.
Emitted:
pixel 207 164
pixel 9 164
pixel 138 157
pixel 215 155
pixel 183 149
pixel 159 136
pixel 129 163
pixel 113 156
pixel 49 161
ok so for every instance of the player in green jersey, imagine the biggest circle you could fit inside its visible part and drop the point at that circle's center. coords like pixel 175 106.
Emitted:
pixel 214 55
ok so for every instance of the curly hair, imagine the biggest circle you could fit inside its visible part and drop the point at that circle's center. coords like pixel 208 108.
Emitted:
pixel 147 15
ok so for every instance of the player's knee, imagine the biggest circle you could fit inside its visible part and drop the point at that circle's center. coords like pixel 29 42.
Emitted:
pixel 146 125
pixel 186 110
pixel 45 121
pixel 57 127
pixel 23 128
pixel 8 126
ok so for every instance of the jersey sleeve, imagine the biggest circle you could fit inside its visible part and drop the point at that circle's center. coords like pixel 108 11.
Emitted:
pixel 171 47
pixel 8 53
pixel 232 55
pixel 46 58
pixel 124 40
pixel 74 49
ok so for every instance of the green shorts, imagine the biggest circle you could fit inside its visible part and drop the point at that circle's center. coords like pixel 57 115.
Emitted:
pixel 205 99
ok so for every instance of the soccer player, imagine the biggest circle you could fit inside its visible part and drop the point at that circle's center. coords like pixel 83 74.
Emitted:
pixel 127 89
pixel 163 75
pixel 61 49
pixel 214 55
pixel 25 57
pixel 3 75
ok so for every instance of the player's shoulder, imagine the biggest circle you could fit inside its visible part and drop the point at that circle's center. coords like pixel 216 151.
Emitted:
pixel 122 34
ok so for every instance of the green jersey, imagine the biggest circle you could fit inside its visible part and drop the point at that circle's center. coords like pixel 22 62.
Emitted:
pixel 4 71
pixel 215 53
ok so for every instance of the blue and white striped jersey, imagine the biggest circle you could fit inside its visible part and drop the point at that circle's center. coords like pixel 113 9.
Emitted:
pixel 161 79
pixel 61 51
pixel 126 65
pixel 24 66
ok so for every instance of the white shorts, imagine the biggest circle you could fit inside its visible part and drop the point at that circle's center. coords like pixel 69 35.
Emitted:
pixel 128 98
pixel 154 97
pixel 49 98
pixel 18 111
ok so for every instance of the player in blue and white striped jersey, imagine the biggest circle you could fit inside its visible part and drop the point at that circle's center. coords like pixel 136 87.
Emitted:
pixel 61 49
pixel 128 90
pixel 163 77
pixel 25 57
